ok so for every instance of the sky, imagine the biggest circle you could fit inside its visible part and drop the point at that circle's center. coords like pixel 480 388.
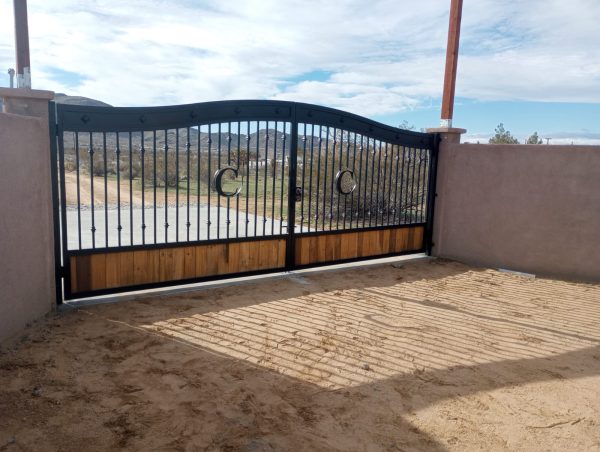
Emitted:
pixel 533 65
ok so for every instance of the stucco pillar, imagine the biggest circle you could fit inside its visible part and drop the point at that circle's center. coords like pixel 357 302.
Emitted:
pixel 27 286
pixel 26 102
pixel 449 136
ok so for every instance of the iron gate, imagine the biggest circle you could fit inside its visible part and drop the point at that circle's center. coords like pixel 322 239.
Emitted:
pixel 148 197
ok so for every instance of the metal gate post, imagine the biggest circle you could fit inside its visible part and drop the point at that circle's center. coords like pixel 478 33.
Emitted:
pixel 58 267
pixel 431 194
pixel 290 247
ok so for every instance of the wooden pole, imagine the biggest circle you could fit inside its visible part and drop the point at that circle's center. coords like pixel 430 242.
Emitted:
pixel 451 62
pixel 22 44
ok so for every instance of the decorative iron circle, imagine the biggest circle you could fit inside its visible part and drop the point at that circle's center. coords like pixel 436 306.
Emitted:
pixel 344 181
pixel 224 182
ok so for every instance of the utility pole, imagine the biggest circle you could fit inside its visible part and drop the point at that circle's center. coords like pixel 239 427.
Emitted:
pixel 451 63
pixel 22 44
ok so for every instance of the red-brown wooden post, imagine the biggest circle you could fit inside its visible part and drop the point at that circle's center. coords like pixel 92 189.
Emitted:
pixel 22 44
pixel 451 63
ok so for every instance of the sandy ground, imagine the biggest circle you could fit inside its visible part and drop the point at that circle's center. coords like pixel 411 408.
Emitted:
pixel 430 356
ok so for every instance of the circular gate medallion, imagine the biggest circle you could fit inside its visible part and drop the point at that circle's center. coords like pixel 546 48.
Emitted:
pixel 344 181
pixel 226 183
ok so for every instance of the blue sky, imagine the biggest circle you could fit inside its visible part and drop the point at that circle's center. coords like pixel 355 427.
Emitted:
pixel 532 64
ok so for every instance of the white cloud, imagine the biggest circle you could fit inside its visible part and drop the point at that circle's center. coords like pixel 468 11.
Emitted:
pixel 384 56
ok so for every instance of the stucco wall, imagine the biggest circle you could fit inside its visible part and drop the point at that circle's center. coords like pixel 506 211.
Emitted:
pixel 26 240
pixel 527 208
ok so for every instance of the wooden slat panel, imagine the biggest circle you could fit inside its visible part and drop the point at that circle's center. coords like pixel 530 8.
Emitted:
pixel 126 269
pixel 349 246
pixel 189 262
pixel 146 266
pixel 233 257
pixel 315 249
pixel 98 271
pixel 281 254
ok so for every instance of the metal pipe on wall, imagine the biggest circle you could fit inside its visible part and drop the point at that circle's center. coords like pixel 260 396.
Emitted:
pixel 451 63
pixel 22 44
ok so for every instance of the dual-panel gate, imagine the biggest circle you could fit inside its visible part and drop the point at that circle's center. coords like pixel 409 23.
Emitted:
pixel 148 197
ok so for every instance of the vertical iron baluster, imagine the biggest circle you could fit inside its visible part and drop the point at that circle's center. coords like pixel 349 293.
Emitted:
pixel 347 166
pixel 312 142
pixel 76 139
pixel 247 159
pixel 188 145
pixel 265 181
pixel 318 178
pixel 360 183
pixel 325 175
pixel 256 180
pixel 420 188
pixel 228 164
pixel 396 184
pixel 390 185
pixel 219 194
pixel 143 159
pixel 166 168
pixel 388 197
pixel 333 166
pixel 377 205
pixel 198 184
pixel 209 182
pixel 402 184
pixel 372 183
pixel 303 173
pixel 237 197
pixel 354 177
pixel 274 180
pixel 177 184
pixel 105 170
pixel 406 186
pixel 339 167
pixel 118 154
pixel 130 151
pixel 412 189
pixel 154 184
pixel 383 198
pixel 366 206
pixel 91 152
pixel 283 176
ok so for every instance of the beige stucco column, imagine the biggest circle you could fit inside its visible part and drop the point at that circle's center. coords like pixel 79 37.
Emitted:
pixel 449 136
pixel 27 287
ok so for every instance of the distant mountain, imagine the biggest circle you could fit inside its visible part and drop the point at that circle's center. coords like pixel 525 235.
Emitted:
pixel 62 98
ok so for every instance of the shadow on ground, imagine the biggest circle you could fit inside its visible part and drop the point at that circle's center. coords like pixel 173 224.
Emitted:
pixel 430 356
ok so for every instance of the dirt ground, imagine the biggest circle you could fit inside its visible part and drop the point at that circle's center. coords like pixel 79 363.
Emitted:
pixel 430 356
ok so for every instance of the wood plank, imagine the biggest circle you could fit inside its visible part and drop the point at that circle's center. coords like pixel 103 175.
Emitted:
pixel 126 269
pixel 178 264
pixel 244 255
pixel 267 254
pixel 189 262
pixel 98 271
pixel 281 249
pixel 165 265
pixel 113 270
pixel 83 274
pixel 146 266
pixel 233 257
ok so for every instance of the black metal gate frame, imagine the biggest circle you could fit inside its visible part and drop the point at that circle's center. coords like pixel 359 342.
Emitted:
pixel 71 118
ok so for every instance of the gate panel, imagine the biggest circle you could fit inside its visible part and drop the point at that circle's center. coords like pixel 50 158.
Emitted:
pixel 149 197
pixel 365 188
pixel 346 246
pixel 103 271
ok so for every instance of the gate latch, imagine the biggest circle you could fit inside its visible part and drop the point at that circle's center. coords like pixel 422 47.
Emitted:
pixel 298 194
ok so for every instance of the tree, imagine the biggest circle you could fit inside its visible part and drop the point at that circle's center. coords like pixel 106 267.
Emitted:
pixel 503 136
pixel 534 139
pixel 405 125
